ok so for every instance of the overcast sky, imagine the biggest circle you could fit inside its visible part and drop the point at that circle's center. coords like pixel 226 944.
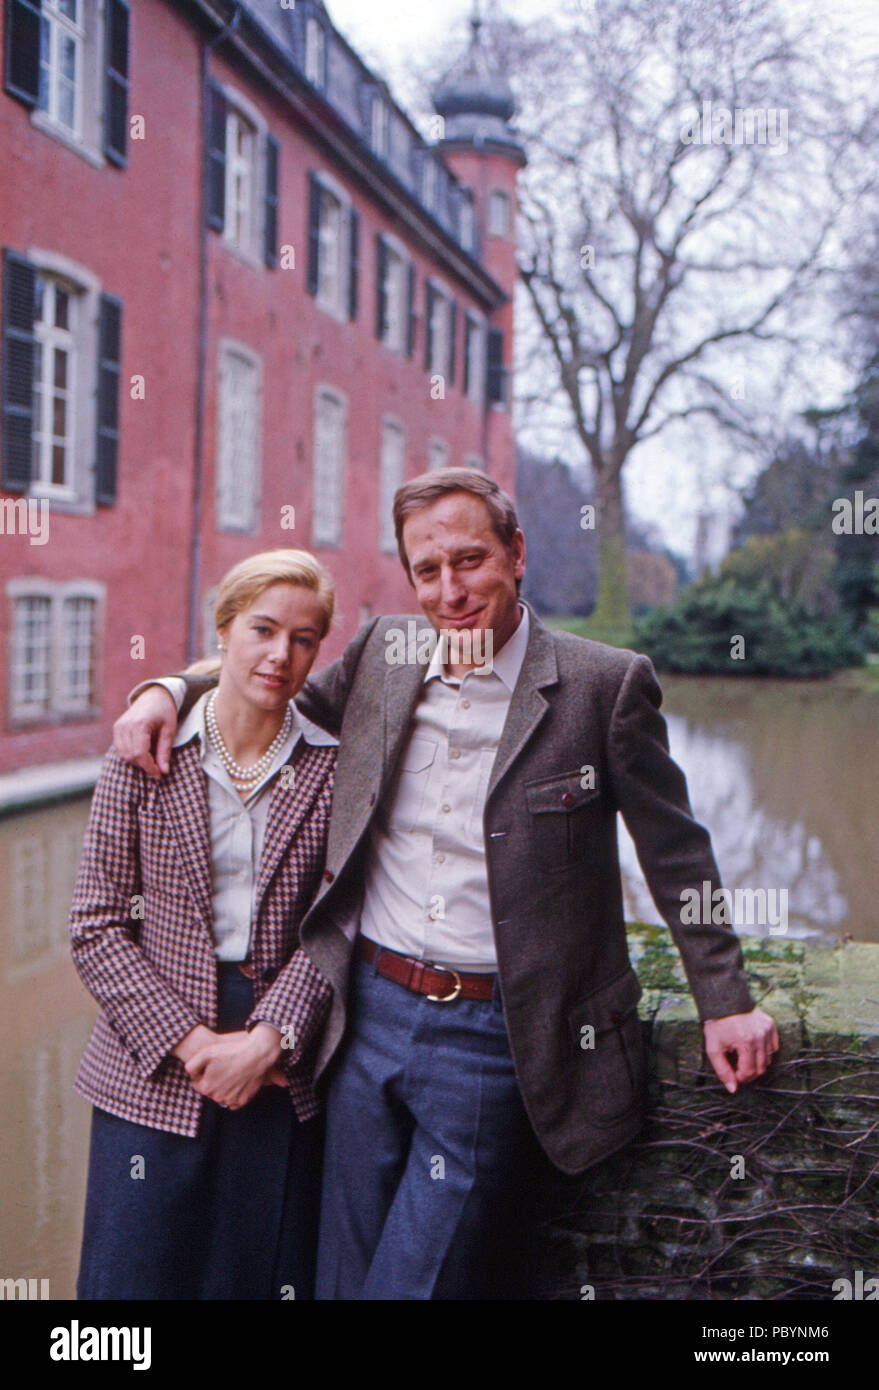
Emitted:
pixel 388 33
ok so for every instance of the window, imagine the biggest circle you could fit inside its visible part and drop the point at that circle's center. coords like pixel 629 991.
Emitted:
pixel 240 181
pixel 395 281
pixel 379 124
pixel 474 461
pixel 67 61
pixel 437 454
pixel 333 239
pixel 62 343
pixel 429 184
pixel 238 440
pixel 243 162
pixel 53 666
pixel 392 468
pixel 499 213
pixel 467 223
pixel 54 362
pixel 329 467
pixel 441 313
pixel 474 358
pixel 61 45
pixel 315 52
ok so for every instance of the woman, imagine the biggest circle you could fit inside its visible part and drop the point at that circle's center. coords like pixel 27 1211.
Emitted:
pixel 205 1149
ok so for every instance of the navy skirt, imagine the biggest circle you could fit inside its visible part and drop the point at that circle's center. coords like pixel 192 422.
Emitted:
pixel 231 1214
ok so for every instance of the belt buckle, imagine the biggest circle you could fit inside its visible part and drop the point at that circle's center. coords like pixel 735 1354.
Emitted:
pixel 446 998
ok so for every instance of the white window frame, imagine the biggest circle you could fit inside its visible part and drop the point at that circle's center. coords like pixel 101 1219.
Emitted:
pixel 392 471
pixel 59 26
pixel 60 705
pixel 379 125
pixel 335 303
pixel 467 223
pixel 315 53
pixel 441 356
pixel 435 447
pixel 52 339
pixel 85 289
pixel 476 383
pixel 240 110
pixel 246 520
pixel 499 223
pixel 86 139
pixel 328 502
pixel 397 262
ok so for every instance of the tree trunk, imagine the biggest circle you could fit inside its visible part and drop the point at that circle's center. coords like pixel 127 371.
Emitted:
pixel 612 604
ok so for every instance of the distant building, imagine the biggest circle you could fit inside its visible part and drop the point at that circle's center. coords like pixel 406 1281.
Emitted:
pixel 243 300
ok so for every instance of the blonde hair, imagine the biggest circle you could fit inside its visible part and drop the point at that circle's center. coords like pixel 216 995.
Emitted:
pixel 244 583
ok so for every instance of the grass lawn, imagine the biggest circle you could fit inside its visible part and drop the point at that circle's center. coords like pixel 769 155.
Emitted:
pixel 614 636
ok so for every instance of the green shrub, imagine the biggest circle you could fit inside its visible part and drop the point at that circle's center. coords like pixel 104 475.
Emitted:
pixel 695 634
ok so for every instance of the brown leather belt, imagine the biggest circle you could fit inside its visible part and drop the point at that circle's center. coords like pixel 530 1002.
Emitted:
pixel 422 977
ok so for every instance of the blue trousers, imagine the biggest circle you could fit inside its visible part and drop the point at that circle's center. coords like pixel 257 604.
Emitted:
pixel 428 1150
pixel 231 1214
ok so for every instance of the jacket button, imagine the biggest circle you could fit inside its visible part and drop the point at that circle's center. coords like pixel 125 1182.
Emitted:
pixel 270 973
pixel 616 1018
pixel 567 799
pixel 329 875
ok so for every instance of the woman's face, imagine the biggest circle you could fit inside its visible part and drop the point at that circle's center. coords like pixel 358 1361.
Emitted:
pixel 270 646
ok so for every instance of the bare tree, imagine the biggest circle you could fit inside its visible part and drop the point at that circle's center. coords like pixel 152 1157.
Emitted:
pixel 689 164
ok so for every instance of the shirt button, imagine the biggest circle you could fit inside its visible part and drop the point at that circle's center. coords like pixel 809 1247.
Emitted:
pixel 465 704
pixel 440 859
pixel 447 807
pixel 329 875
pixel 456 752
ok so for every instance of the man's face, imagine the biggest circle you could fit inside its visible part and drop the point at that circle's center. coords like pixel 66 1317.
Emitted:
pixel 463 574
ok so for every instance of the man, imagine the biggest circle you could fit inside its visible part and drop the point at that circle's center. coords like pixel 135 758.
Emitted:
pixel 471 919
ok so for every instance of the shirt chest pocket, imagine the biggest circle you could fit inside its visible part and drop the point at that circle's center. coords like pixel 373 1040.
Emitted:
pixel 408 800
pixel 558 821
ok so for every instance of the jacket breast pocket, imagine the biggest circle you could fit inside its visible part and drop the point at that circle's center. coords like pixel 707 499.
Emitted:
pixel 411 785
pixel 557 818
pixel 606 1037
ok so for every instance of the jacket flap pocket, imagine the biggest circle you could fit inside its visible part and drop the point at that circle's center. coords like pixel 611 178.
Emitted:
pixel 564 792
pixel 609 1006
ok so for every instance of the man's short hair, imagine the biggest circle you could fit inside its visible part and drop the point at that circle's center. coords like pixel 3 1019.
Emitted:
pixel 427 488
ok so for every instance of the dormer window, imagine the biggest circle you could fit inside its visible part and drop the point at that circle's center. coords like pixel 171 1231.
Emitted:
pixel 379 123
pixel 315 52
pixel 467 223
pixel 429 184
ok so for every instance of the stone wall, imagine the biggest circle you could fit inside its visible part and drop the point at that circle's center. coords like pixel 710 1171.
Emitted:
pixel 771 1193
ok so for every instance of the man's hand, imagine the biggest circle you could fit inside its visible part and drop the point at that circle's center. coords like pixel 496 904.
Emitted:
pixel 741 1046
pixel 231 1069
pixel 147 728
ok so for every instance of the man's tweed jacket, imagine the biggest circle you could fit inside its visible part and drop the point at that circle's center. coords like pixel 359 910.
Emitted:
pixel 141 931
pixel 552 865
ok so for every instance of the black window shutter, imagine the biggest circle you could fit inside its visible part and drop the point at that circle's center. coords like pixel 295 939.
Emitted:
pixel 353 260
pixel 428 324
pixel 23 50
pixel 216 153
pixel 453 333
pixel 116 82
pixel 468 347
pixel 19 282
pixel 313 233
pixel 270 202
pixel 109 366
pixel 494 376
pixel 410 313
pixel 381 281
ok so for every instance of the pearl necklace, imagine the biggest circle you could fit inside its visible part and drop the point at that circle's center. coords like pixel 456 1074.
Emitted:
pixel 245 778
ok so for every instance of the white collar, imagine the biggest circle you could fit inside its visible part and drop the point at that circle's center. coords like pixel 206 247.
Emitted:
pixel 194 724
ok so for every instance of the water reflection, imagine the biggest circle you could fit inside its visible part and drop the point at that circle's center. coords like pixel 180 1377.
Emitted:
pixel 782 775
pixel 45 1020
